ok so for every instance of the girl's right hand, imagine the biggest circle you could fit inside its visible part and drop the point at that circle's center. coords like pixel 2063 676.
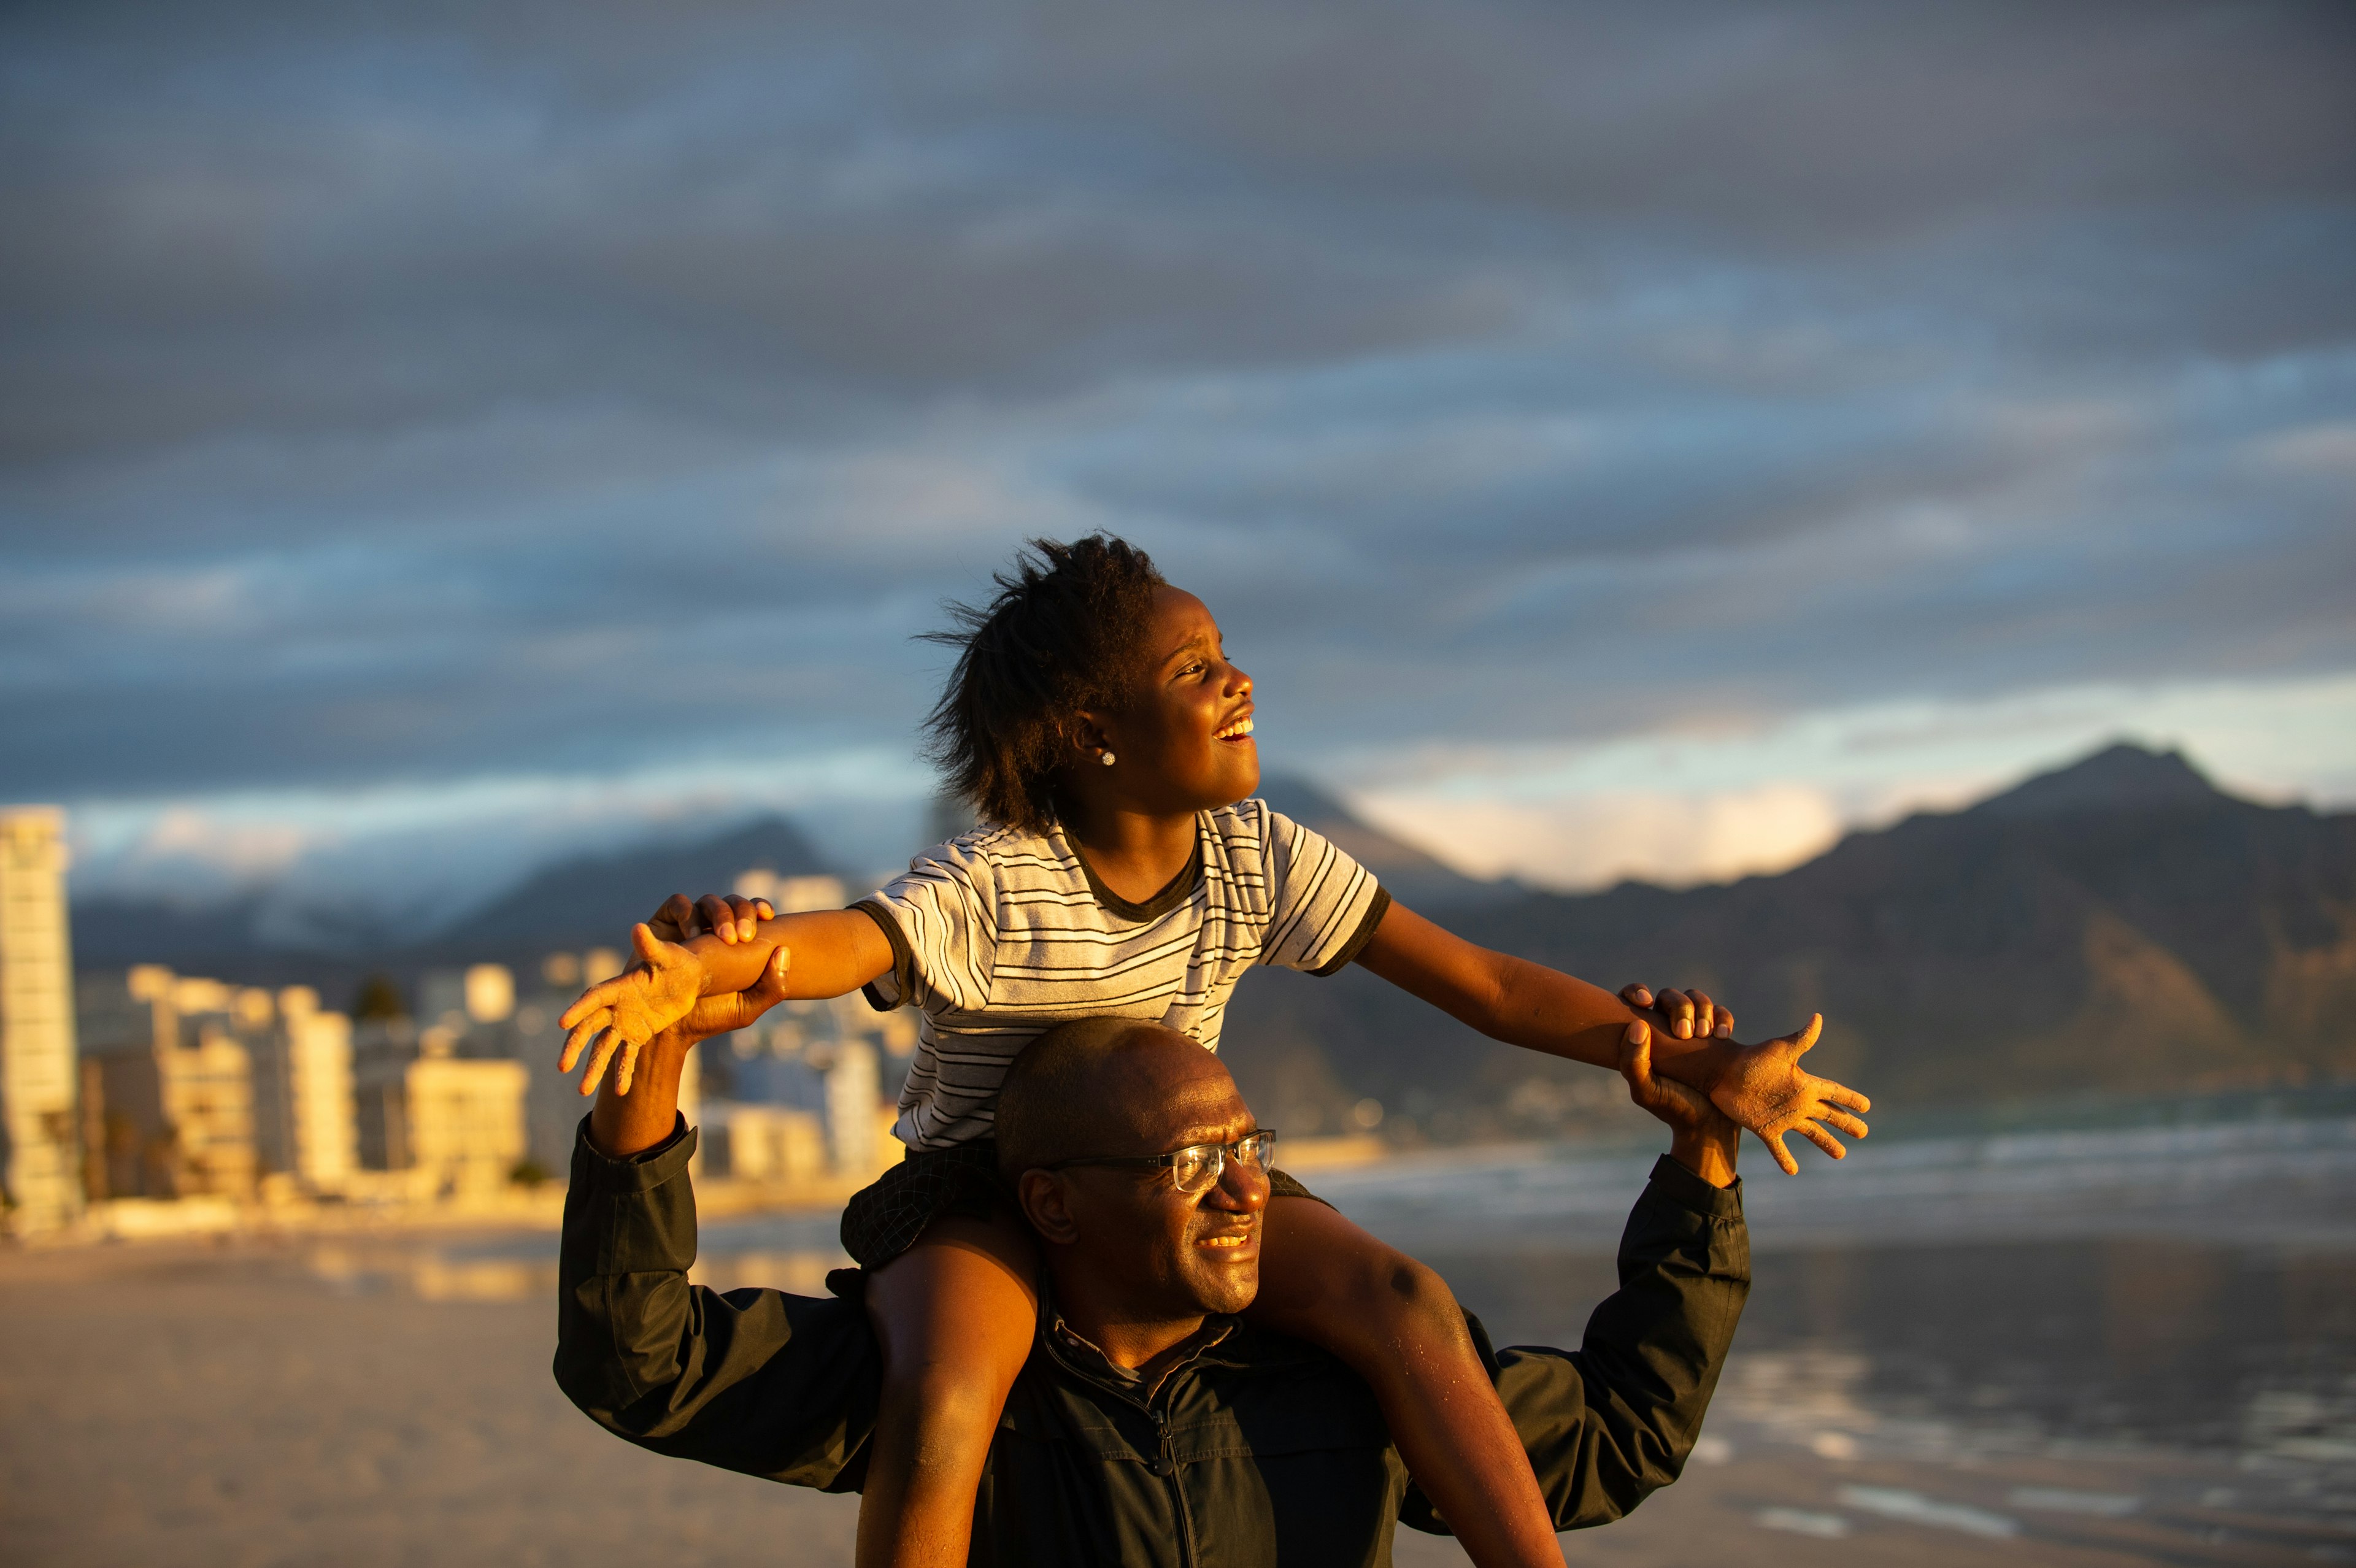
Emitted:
pixel 1683 1015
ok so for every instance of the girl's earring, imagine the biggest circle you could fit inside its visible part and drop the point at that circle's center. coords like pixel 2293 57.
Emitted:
pixel 1106 759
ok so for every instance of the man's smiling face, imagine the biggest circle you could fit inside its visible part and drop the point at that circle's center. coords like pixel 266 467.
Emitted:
pixel 1170 1253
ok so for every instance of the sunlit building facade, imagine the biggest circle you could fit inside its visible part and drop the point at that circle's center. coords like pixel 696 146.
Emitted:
pixel 40 1175
pixel 453 1121
pixel 303 1123
pixel 170 1080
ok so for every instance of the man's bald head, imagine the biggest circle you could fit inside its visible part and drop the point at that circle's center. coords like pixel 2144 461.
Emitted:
pixel 1098 1085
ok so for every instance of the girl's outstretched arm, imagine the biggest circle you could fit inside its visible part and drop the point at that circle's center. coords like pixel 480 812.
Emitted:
pixel 1761 1086
pixel 835 951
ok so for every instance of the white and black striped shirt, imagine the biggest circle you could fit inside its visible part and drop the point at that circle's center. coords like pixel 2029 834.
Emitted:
pixel 1002 934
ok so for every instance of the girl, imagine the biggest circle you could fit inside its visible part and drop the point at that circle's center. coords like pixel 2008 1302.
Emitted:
pixel 1098 727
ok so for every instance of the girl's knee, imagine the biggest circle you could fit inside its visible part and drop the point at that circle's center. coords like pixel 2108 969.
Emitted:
pixel 1404 1292
pixel 1387 1301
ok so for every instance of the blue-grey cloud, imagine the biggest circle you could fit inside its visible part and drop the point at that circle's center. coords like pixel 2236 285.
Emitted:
pixel 442 391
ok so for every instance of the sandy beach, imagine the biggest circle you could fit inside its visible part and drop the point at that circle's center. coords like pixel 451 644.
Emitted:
pixel 384 1399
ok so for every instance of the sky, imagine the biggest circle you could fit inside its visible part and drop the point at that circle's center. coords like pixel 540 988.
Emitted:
pixel 1617 440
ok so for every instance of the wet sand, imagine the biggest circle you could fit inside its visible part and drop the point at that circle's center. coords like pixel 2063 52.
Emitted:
pixel 229 1405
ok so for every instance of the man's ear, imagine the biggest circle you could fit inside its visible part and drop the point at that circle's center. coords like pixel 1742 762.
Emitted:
pixel 1042 1195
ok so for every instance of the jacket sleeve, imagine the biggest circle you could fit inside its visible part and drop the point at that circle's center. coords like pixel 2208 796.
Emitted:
pixel 1610 1423
pixel 775 1385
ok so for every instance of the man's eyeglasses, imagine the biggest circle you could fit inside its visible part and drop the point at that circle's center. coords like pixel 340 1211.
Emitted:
pixel 1195 1169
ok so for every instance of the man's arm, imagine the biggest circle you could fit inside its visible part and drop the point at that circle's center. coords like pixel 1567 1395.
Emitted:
pixel 1610 1423
pixel 1529 1005
pixel 756 1380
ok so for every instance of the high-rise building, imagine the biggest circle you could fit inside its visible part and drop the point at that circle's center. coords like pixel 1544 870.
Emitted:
pixel 41 1174
pixel 303 1119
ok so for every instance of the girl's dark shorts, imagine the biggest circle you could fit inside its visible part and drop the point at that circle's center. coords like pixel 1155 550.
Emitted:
pixel 884 1220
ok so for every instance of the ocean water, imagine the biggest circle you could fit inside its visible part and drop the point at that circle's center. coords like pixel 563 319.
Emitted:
pixel 2189 1285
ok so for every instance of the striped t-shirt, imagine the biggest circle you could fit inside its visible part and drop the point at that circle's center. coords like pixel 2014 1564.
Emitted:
pixel 1002 934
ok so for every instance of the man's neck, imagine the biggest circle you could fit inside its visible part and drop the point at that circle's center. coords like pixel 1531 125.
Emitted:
pixel 1131 1341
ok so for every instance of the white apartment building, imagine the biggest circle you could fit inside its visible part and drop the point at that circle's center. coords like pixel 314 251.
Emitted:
pixel 430 1107
pixel 40 1175
pixel 168 1082
pixel 764 1143
pixel 303 1124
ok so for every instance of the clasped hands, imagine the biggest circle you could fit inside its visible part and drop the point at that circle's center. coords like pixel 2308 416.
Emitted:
pixel 661 996
pixel 1761 1087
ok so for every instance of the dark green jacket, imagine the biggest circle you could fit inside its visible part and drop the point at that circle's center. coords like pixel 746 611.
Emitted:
pixel 1258 1449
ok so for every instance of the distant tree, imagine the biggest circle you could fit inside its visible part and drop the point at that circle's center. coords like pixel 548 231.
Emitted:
pixel 528 1172
pixel 378 998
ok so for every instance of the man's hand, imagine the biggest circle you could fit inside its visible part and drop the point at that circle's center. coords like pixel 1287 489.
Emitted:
pixel 1706 1139
pixel 1758 1086
pixel 660 990
pixel 638 1109
pixel 1762 1088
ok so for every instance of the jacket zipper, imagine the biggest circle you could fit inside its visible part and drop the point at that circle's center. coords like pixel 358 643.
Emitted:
pixel 1164 1464
pixel 1168 1465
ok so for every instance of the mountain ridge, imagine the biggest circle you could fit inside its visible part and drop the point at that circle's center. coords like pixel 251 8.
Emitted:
pixel 2117 924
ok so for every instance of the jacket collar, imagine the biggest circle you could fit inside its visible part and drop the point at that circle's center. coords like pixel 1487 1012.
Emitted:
pixel 1082 1357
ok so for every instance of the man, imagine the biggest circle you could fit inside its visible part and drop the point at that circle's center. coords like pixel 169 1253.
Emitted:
pixel 1150 1427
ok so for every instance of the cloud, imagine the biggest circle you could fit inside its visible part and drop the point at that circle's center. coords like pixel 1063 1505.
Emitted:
pixel 2328 450
pixel 189 847
pixel 1597 840
pixel 1685 803
pixel 406 398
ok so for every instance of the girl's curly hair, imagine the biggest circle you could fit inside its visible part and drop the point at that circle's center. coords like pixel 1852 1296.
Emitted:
pixel 1064 633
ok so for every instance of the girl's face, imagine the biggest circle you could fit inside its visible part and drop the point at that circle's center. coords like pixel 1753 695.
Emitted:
pixel 1184 742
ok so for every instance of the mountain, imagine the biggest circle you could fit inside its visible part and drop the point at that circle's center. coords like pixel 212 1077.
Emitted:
pixel 2119 924
pixel 115 930
pixel 594 899
pixel 580 902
